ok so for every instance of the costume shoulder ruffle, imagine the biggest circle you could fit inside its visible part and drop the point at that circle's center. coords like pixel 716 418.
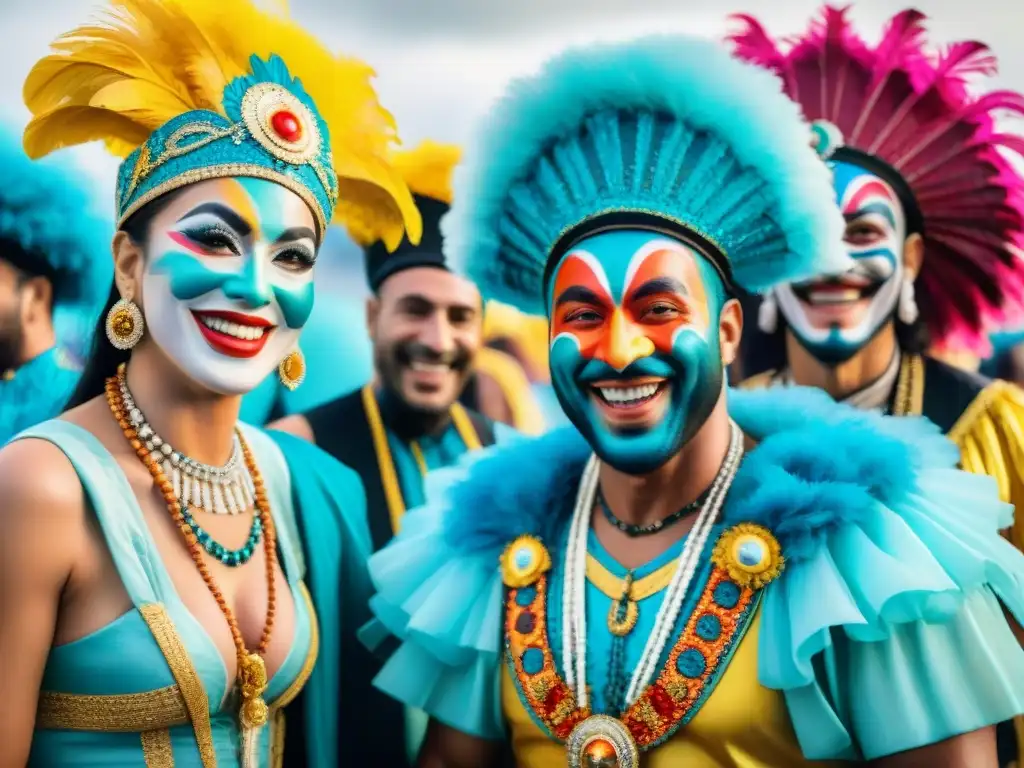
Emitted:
pixel 879 530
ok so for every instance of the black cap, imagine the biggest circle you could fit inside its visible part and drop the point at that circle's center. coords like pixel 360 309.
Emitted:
pixel 380 264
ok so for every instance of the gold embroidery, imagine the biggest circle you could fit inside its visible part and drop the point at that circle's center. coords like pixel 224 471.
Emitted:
pixel 156 748
pixel 162 628
pixel 295 688
pixel 909 399
pixel 277 731
pixel 145 711
pixel 385 462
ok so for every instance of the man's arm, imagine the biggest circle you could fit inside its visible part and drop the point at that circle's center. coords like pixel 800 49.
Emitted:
pixel 976 749
pixel 446 747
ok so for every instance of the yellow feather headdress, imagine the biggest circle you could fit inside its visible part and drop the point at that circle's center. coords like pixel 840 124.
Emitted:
pixel 144 63
pixel 427 169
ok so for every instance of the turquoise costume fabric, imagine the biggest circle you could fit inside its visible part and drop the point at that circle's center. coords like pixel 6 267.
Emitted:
pixel 331 524
pixel 36 391
pixel 123 656
pixel 883 631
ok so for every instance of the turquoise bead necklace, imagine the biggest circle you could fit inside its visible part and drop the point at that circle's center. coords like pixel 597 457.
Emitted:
pixel 229 557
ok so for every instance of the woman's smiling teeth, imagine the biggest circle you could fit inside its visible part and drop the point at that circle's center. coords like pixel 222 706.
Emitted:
pixel 246 332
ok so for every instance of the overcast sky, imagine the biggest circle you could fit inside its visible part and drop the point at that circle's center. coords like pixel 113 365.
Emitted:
pixel 440 62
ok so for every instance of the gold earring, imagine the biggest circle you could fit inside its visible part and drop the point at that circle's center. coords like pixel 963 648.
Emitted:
pixel 292 370
pixel 125 324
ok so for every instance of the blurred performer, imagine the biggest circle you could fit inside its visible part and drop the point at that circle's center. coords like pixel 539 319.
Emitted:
pixel 425 325
pixel 54 274
pixel 934 217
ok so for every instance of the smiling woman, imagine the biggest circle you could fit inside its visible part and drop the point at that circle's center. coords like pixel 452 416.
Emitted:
pixel 171 533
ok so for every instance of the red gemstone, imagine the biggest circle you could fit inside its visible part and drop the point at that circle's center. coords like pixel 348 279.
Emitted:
pixel 286 125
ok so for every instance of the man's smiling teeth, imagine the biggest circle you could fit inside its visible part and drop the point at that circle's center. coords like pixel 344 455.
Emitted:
pixel 419 365
pixel 628 395
pixel 834 296
pixel 246 332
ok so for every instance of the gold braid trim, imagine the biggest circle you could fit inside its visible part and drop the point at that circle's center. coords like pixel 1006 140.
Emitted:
pixel 511 380
pixel 386 463
pixel 277 734
pixel 196 702
pixel 295 688
pixel 131 712
pixel 156 749
pixel 990 435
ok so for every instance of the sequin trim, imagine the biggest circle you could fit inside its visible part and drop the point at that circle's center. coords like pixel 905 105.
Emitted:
pixel 694 666
pixel 156 749
pixel 196 701
pixel 146 711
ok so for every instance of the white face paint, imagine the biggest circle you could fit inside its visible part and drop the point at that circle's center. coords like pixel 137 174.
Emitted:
pixel 834 317
pixel 228 283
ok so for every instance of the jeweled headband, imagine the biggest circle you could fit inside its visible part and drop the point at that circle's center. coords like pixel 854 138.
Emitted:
pixel 270 129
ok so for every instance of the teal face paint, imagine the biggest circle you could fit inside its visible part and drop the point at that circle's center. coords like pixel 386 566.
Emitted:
pixel 229 285
pixel 635 358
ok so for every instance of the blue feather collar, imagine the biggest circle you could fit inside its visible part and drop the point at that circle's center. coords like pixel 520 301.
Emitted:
pixel 790 482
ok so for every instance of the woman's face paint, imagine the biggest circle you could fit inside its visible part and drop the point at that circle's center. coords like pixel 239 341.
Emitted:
pixel 834 317
pixel 228 282
pixel 635 360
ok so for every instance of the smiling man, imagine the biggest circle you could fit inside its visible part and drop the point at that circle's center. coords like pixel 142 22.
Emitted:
pixel 689 576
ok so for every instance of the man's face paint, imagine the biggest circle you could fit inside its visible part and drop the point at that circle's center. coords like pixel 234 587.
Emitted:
pixel 834 317
pixel 635 360
pixel 228 283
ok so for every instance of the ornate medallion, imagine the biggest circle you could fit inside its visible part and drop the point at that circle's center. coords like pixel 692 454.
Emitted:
pixel 282 124
pixel 750 554
pixel 602 742
pixel 524 561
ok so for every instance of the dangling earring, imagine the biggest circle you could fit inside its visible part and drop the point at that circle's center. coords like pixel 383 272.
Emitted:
pixel 906 309
pixel 768 313
pixel 292 370
pixel 125 324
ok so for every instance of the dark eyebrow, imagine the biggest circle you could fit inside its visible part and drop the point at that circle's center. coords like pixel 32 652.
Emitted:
pixel 297 233
pixel 578 293
pixel 232 219
pixel 660 285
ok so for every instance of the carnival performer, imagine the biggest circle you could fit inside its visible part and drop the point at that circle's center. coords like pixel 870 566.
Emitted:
pixel 934 220
pixel 689 575
pixel 54 276
pixel 425 326
pixel 153 608
pixel 934 217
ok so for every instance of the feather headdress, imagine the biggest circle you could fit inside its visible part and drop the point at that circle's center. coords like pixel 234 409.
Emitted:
pixel 662 132
pixel 169 85
pixel 908 106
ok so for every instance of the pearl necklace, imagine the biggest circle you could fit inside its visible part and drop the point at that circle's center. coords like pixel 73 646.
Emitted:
pixel 574 638
pixel 224 490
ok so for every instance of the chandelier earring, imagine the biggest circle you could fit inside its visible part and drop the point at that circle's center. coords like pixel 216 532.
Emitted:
pixel 907 310
pixel 125 324
pixel 768 313
pixel 292 370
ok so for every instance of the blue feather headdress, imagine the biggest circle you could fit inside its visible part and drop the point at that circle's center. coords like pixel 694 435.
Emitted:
pixel 662 132
pixel 52 228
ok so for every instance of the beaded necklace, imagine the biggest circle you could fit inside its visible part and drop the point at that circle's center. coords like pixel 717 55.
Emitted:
pixel 633 531
pixel 252 670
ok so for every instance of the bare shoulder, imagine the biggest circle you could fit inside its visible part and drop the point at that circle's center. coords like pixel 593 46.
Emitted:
pixel 38 484
pixel 297 425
